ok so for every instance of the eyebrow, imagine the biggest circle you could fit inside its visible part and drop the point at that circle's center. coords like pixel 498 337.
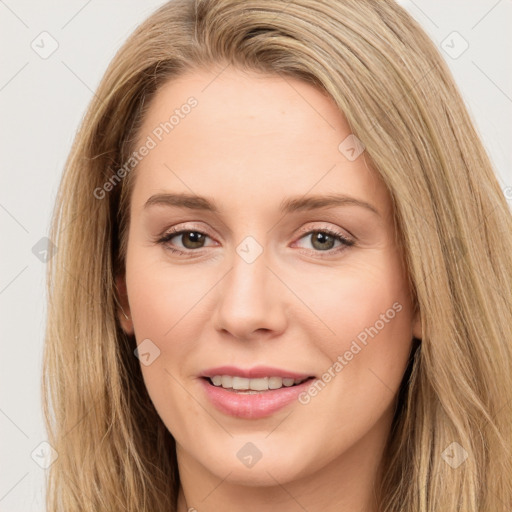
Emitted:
pixel 290 205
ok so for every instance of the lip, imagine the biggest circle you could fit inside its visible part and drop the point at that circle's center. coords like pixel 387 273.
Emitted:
pixel 253 373
pixel 252 406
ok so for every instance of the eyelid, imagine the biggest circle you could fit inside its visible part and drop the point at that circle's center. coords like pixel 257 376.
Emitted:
pixel 177 230
pixel 345 242
pixel 180 230
pixel 184 226
pixel 308 229
pixel 303 230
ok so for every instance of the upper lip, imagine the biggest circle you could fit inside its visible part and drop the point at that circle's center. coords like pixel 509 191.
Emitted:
pixel 254 373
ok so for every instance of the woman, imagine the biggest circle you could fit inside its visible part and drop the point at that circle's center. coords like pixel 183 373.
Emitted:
pixel 284 273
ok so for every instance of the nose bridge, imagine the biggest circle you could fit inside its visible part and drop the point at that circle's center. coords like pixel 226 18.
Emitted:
pixel 248 297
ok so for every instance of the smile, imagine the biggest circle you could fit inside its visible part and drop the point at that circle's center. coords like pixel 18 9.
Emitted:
pixel 242 384
pixel 247 403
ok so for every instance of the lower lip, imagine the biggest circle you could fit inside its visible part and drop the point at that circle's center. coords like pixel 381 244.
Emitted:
pixel 252 406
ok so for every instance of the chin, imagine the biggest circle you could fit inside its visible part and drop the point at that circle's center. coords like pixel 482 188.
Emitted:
pixel 260 475
pixel 250 466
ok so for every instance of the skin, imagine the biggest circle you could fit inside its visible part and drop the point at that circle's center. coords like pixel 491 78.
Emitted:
pixel 252 141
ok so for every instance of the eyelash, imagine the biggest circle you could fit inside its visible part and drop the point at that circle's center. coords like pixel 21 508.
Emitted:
pixel 173 232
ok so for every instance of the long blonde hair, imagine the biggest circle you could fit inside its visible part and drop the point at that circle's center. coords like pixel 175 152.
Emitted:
pixel 453 225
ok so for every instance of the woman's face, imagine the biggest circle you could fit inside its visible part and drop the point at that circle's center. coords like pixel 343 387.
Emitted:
pixel 260 281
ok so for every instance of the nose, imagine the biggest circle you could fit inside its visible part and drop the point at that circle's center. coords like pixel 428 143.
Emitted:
pixel 250 301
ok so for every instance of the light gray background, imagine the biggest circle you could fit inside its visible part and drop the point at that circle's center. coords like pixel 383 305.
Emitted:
pixel 42 101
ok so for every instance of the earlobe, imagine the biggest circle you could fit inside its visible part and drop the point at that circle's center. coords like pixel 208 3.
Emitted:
pixel 123 310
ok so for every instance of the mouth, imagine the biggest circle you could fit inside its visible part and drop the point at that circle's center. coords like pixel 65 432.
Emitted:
pixel 253 404
pixel 252 386
pixel 253 393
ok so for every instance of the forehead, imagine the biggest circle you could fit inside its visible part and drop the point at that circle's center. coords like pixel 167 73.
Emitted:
pixel 248 137
pixel 249 102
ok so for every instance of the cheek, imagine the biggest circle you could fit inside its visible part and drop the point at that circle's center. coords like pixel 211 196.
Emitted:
pixel 163 297
pixel 163 303
pixel 369 312
pixel 363 302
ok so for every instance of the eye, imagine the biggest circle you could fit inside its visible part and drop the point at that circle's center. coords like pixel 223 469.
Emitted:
pixel 190 240
pixel 324 240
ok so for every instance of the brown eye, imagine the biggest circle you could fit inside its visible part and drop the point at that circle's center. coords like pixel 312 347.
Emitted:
pixel 192 239
pixel 189 239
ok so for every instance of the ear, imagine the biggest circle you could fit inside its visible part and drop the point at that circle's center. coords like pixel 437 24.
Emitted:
pixel 123 311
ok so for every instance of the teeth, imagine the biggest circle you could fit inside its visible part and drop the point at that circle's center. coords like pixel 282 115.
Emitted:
pixel 217 380
pixel 227 381
pixel 275 382
pixel 261 384
pixel 258 384
pixel 239 383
